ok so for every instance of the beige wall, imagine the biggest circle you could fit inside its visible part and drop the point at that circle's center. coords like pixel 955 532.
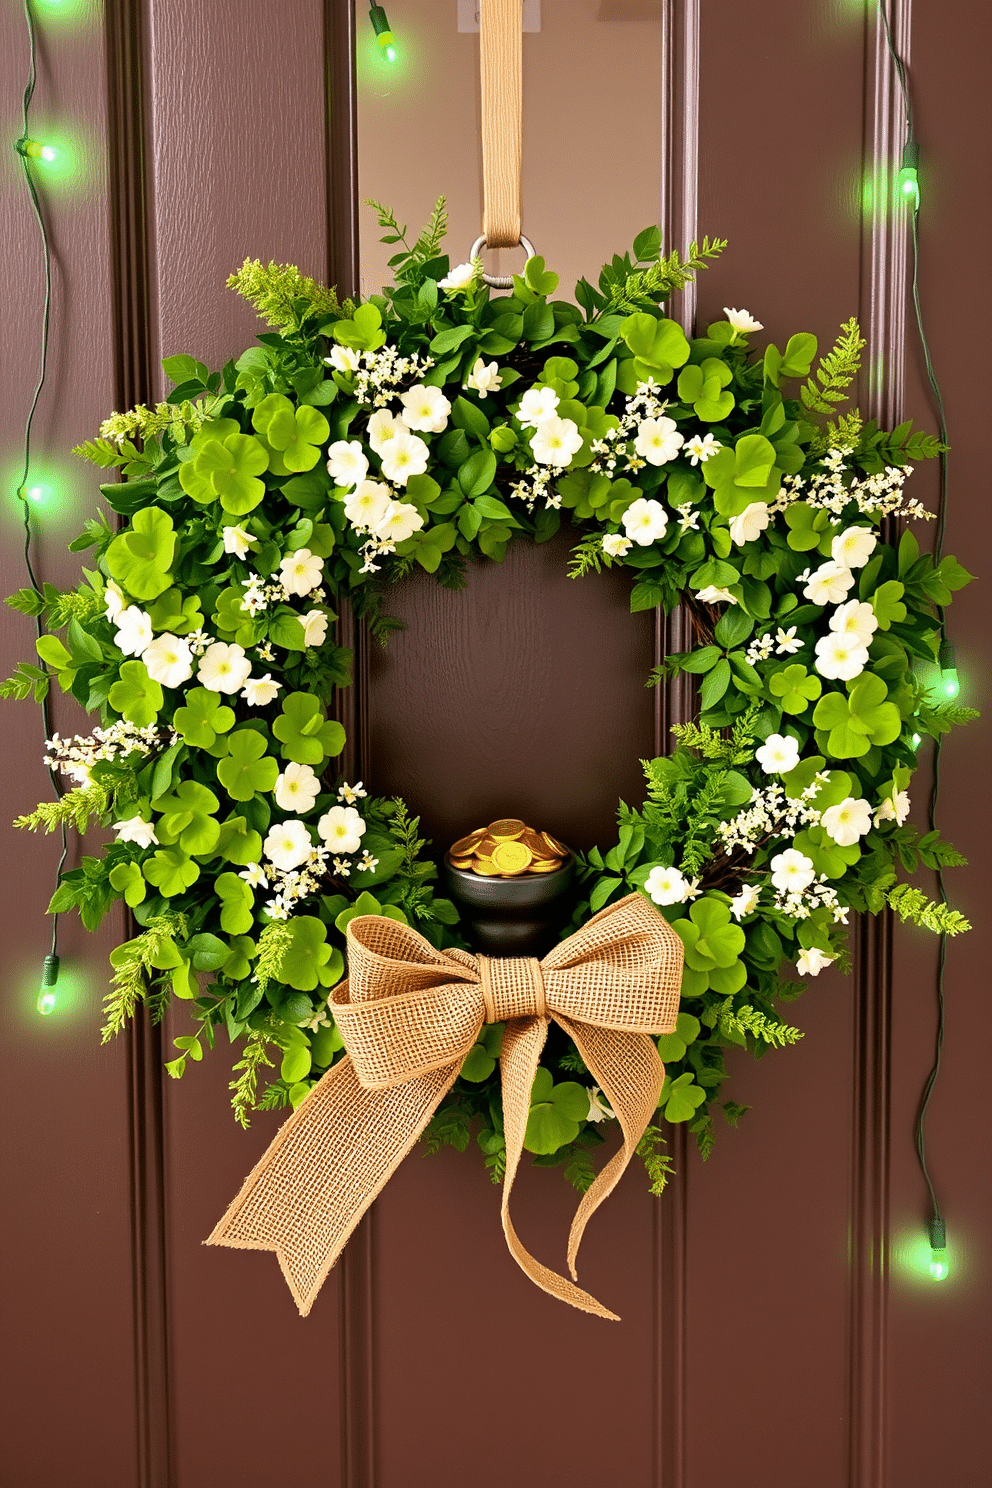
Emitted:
pixel 592 131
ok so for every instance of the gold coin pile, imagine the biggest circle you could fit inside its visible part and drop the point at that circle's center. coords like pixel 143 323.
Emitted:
pixel 507 848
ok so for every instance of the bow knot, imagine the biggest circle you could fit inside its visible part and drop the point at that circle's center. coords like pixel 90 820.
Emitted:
pixel 408 1015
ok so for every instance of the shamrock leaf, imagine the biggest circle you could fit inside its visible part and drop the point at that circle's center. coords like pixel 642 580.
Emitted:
pixel 680 1098
pixel 202 718
pixel 238 964
pixel 362 331
pixel 326 1042
pixel 175 614
pixel 542 281
pixel 887 604
pixel 367 904
pixel 140 558
pixel 137 697
pixel 304 732
pixel 237 904
pixel 293 435
pixel 171 871
pixel 247 768
pixel 807 526
pixel 229 469
pixel 128 880
pixel 556 1113
pixel 795 687
pixel 480 1061
pixel 297 1060
pixel 847 727
pixel 306 955
pixel 188 818
pixel 708 936
pixel 659 346
pixel 743 474
pixel 827 856
pixel 702 385
pixel 673 1045
pixel 239 843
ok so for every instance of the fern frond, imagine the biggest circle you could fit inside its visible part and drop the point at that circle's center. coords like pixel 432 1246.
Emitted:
pixel 74 809
pixel 433 234
pixel 449 1127
pixel 244 1089
pixel 749 1020
pixel 936 718
pixel 132 962
pixel 657 1164
pixel 588 557
pixel 835 371
pixel 282 296
pixel 659 280
pixel 273 944
pixel 913 904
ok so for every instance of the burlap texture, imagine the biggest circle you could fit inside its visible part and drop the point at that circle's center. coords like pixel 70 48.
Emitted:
pixel 408 1016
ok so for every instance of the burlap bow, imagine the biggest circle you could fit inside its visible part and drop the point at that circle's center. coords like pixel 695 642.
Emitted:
pixel 409 1015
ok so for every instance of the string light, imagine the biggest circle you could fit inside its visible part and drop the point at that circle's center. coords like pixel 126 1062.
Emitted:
pixel 938 1268
pixel 908 181
pixel 34 150
pixel 384 38
pixel 49 981
pixel 950 684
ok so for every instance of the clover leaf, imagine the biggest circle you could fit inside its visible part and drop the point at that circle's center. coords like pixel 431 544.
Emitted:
pixel 228 469
pixel 659 346
pixel 367 904
pixel 807 526
pixel 128 880
pixel 171 871
pixel 307 954
pixel 673 1045
pixel 480 1061
pixel 887 604
pixel 238 964
pixel 202 718
pixel 237 904
pixel 708 935
pixel 238 842
pixel 795 687
pixel 362 331
pixel 743 474
pixel 827 856
pixel 188 818
pixel 140 559
pixel 556 1113
pixel 702 385
pixel 326 1042
pixel 847 727
pixel 175 614
pixel 247 767
pixel 680 1098
pixel 293 435
pixel 136 696
pixel 306 736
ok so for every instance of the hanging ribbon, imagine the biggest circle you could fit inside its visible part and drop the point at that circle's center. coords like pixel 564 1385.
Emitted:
pixel 409 1015
pixel 501 59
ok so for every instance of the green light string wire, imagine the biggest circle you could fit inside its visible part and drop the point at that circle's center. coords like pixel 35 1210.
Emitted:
pixel 42 373
pixel 900 69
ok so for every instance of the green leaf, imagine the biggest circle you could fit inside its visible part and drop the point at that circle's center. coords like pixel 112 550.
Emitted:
pixel 539 280
pixel 362 331
pixel 239 843
pixel 306 954
pixel 237 904
pixel 171 871
pixel 294 435
pixel 227 469
pixel 681 1098
pixel 304 733
pixel 795 688
pixel 202 718
pixel 137 697
pixel 887 604
pixel 140 558
pixel 476 474
pixel 188 817
pixel 672 1046
pixel 556 1113
pixel 451 338
pixel 128 880
pixel 247 768
pixel 849 726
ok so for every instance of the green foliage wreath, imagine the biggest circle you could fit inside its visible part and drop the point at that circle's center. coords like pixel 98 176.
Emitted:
pixel 431 425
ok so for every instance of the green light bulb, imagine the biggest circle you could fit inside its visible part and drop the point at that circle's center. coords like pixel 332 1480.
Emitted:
pixel 938 1268
pixel 950 685
pixel 909 186
pixel 35 150
pixel 384 38
pixel 49 979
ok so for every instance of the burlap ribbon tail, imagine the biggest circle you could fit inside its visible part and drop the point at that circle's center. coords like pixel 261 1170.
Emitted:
pixel 408 1015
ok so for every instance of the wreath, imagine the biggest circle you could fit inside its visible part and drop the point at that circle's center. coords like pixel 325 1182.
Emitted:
pixel 429 426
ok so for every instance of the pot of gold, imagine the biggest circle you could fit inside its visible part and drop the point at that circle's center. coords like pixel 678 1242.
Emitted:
pixel 509 881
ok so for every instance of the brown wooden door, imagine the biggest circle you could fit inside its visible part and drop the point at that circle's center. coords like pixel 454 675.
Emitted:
pixel 774 1329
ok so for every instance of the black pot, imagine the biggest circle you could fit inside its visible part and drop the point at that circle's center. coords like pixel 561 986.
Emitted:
pixel 511 916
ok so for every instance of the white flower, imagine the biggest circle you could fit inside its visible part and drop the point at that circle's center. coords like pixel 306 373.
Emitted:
pixel 743 903
pixel 658 440
pixel 342 828
pixel 314 624
pixel 347 464
pixel 321 1019
pixel 841 657
pixel 616 544
pixel 894 808
pixel 853 547
pixel 786 641
pixel 114 601
pixel 855 621
pixel 399 521
pixel 537 405
pixel 750 523
pixel 778 755
pixel 223 668
pixel 366 863
pixel 812 962
pixel 297 788
pixel 198 641
pixel 135 829
pixel 288 845
pixel 555 440
pixel 301 571
pixel 598 1109
pixel 384 427
pixel 254 877
pixel 645 521
pixel 792 871
pixel 367 506
pixel 237 541
pixel 343 359
pixel 700 447
pixel 134 631
pixel 667 886
pixel 352 793
pixel 484 378
pixel 425 408
pixel 829 583
pixel 260 691
pixel 169 660
pixel 742 320
pixel 404 455
pixel 462 276
pixel 848 821
pixel 712 594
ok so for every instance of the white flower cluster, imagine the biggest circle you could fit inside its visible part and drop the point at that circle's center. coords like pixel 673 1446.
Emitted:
pixel 379 373
pixel 376 507
pixel 75 757
pixel 876 496
pixel 771 813
pixel 799 903
pixel 295 866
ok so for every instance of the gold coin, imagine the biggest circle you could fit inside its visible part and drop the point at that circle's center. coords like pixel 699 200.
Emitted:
pixel 556 847
pixel 463 847
pixel 507 829
pixel 535 842
pixel 463 863
pixel 546 865
pixel 484 849
pixel 485 869
pixel 512 857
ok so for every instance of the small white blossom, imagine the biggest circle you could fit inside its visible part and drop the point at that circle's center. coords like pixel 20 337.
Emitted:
pixel 668 886
pixel 598 1108
pixel 742 321
pixel 745 902
pixel 484 378
pixel 343 359
pixel 347 463
pixel 829 583
pixel 700 447
pixel 288 845
pixel 352 793
pixel 792 871
pixel 321 1019
pixel 297 788
pixel 893 808
pixel 342 867
pixel 342 828
pixel 688 517
pixel 169 660
pixel 254 877
pixel 366 507
pixel 425 409
pixel 404 455
pixel 812 962
pixel 462 276
pixel 134 631
pixel 135 829
pixel 645 521
pixel 848 821
pixel 778 755
pixel 366 863
pixel 555 440
pixel 114 601
pixel 853 547
pixel 301 571
pixel 713 594
pixel 840 657
pixel 615 544
pixel 787 642
pixel 536 405
pixel 750 523
pixel 260 691
pixel 314 624
pixel 237 541
pixel 658 440
pixel 223 668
